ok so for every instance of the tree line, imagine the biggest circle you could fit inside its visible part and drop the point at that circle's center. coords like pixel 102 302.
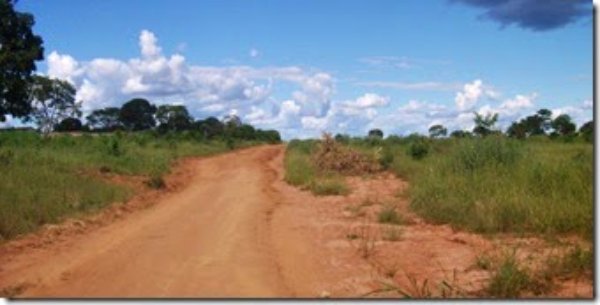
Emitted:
pixel 537 124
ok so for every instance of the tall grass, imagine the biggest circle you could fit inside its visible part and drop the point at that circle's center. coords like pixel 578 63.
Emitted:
pixel 44 180
pixel 501 185
pixel 488 185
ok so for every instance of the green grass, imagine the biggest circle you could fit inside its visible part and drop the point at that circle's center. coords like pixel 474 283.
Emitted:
pixel 509 280
pixel 45 180
pixel 487 185
pixel 389 215
pixel 500 185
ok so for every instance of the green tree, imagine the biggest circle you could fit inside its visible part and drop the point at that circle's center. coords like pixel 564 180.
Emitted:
pixel 587 131
pixel 52 101
pixel 460 134
pixel 210 127
pixel 485 124
pixel 19 49
pixel 517 130
pixel 173 117
pixel 69 124
pixel 137 114
pixel 563 125
pixel 106 119
pixel 437 131
pixel 376 133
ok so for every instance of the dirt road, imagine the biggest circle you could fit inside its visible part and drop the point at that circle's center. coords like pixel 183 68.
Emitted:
pixel 211 239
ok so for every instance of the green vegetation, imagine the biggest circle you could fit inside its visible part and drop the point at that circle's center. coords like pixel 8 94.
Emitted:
pixel 509 280
pixel 389 215
pixel 45 179
pixel 537 182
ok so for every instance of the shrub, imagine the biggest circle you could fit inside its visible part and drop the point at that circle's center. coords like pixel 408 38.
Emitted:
pixel 418 149
pixel 329 186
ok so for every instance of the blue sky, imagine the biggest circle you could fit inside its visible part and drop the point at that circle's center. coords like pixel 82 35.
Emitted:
pixel 304 67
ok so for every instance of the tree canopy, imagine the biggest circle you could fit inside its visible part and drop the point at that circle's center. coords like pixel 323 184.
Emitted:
pixel 19 50
pixel 52 100
pixel 137 114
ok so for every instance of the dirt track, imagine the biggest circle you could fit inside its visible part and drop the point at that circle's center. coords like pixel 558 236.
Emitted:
pixel 210 239
pixel 235 229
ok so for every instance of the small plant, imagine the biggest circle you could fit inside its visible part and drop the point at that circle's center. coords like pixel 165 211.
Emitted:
pixel 114 147
pixel 483 262
pixel 363 240
pixel 386 158
pixel 329 186
pixel 355 210
pixel 156 182
pixel 509 280
pixel 389 215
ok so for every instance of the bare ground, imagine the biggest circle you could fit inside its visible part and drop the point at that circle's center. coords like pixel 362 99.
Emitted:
pixel 229 226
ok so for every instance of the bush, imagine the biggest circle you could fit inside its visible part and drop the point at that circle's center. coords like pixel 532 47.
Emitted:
pixel 156 182
pixel 331 156
pixel 418 149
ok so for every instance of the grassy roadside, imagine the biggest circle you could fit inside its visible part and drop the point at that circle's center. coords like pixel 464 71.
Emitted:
pixel 485 185
pixel 45 180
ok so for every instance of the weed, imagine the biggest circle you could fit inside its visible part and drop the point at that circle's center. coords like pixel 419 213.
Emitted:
pixel 509 280
pixel 483 262
pixel 156 182
pixel 329 186
pixel 364 243
pixel 389 215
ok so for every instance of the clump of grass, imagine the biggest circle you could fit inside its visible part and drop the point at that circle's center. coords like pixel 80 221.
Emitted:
pixel 576 262
pixel 389 215
pixel 156 182
pixel 333 185
pixel 483 262
pixel 509 280
pixel 363 239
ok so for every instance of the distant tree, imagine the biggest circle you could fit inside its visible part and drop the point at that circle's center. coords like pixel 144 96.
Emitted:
pixel 244 132
pixel 437 131
pixel 517 130
pixel 563 125
pixel 484 125
pixel 69 124
pixel 19 49
pixel 106 119
pixel 232 121
pixel 137 114
pixel 546 116
pixel 210 128
pixel 587 131
pixel 270 136
pixel 342 138
pixel 173 117
pixel 52 101
pixel 376 133
pixel 461 134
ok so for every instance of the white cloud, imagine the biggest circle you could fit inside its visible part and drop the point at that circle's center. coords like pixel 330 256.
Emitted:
pixel 423 86
pixel 149 45
pixel 254 53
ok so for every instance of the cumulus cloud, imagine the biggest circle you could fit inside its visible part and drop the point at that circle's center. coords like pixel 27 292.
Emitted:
pixel 472 93
pixel 534 14
pixel 206 90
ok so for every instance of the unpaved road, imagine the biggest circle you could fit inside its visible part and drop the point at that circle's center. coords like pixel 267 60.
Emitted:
pixel 211 239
